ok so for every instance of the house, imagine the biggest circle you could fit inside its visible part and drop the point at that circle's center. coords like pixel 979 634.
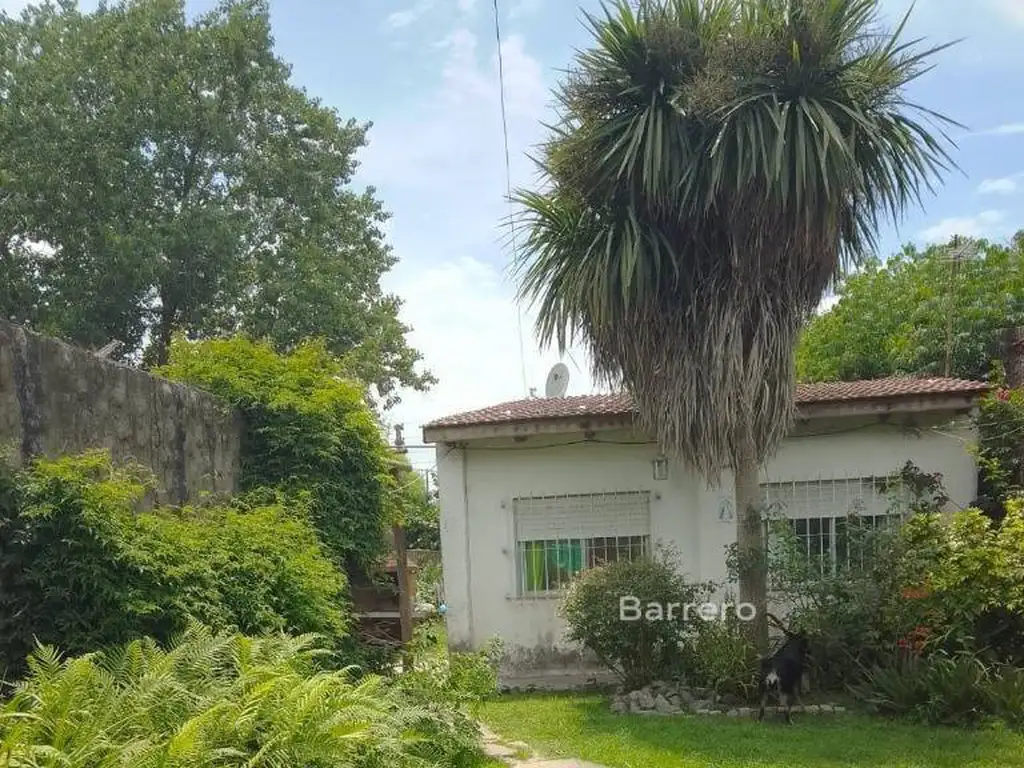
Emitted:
pixel 532 491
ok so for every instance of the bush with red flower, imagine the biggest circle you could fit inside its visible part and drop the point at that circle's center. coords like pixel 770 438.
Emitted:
pixel 1000 449
pixel 936 582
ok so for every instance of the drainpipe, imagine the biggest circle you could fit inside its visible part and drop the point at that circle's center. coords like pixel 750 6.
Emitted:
pixel 468 552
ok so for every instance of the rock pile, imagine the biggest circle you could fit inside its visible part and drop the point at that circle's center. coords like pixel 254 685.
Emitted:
pixel 663 698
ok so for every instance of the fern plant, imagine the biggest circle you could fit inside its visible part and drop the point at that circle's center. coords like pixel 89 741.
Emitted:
pixel 219 700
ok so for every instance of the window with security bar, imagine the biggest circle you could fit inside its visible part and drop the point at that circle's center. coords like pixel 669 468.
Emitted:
pixel 832 520
pixel 559 536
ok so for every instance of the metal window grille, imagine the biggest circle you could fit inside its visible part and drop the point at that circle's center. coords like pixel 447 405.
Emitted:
pixel 830 518
pixel 559 536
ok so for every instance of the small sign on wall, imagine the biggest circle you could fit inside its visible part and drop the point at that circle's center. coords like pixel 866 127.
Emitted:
pixel 660 466
pixel 726 513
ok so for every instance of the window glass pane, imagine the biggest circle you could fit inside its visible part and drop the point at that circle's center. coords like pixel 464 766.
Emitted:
pixel 565 561
pixel 532 563
pixel 842 543
pixel 638 547
pixel 550 565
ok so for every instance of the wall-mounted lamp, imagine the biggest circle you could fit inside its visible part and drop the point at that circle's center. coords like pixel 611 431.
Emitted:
pixel 660 465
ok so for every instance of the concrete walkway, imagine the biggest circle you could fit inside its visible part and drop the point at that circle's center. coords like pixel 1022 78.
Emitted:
pixel 519 755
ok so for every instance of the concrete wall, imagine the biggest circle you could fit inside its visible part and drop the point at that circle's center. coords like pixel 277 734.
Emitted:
pixel 479 482
pixel 57 399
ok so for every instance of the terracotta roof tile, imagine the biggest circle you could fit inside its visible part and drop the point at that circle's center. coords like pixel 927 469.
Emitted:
pixel 620 404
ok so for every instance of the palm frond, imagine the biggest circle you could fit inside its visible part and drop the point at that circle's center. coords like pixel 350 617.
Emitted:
pixel 715 166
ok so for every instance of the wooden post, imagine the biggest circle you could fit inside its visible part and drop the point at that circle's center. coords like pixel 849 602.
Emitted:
pixel 402 559
pixel 404 597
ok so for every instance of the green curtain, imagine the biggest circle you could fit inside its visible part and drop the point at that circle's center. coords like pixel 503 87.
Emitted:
pixel 564 559
pixel 533 566
pixel 569 556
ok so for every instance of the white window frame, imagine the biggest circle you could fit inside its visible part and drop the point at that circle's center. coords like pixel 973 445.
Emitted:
pixel 585 525
pixel 820 504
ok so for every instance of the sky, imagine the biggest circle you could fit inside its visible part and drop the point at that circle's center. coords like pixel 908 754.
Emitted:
pixel 425 73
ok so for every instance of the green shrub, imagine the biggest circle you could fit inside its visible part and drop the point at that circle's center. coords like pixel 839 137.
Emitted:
pixel 845 614
pixel 1006 694
pixel 722 657
pixel 308 432
pixel 263 567
pixel 1000 449
pixel 459 679
pixel 637 651
pixel 221 700
pixel 83 570
pixel 420 513
pixel 932 581
pixel 965 575
pixel 945 689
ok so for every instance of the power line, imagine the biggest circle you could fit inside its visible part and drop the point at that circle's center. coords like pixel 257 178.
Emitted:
pixel 508 185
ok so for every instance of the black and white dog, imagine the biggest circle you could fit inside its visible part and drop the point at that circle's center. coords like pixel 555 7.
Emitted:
pixel 782 672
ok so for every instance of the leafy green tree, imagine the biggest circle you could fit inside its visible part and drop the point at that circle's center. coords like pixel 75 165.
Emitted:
pixel 715 165
pixel 420 513
pixel 1000 448
pixel 181 183
pixel 904 315
pixel 309 435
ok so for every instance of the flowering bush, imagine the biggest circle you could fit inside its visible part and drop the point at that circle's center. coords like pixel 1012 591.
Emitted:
pixel 1000 450
pixel 961 582
pixel 933 582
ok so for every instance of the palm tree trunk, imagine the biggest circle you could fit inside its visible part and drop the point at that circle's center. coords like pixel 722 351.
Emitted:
pixel 750 544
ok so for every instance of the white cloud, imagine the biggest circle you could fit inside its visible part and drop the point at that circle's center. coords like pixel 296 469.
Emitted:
pixel 465 322
pixel 1005 185
pixel 458 149
pixel 984 224
pixel 1012 10
pixel 405 17
pixel 524 8
pixel 439 164
pixel 1007 129
pixel 412 14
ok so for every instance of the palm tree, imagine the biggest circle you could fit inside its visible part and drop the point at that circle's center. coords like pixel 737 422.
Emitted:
pixel 715 165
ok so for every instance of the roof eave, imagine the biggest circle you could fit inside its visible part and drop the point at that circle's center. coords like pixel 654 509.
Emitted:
pixel 526 428
pixel 938 402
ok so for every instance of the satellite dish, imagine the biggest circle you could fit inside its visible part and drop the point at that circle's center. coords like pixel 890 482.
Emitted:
pixel 558 381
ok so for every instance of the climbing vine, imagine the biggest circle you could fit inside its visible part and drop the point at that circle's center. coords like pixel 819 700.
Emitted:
pixel 309 434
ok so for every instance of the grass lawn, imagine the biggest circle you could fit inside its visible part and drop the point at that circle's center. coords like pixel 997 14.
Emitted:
pixel 581 726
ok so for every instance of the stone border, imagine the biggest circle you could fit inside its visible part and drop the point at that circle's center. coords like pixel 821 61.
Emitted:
pixel 667 699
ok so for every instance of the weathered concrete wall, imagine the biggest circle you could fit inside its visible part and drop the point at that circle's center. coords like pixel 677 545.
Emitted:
pixel 57 399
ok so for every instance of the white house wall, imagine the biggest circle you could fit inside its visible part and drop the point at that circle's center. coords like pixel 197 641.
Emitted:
pixel 478 483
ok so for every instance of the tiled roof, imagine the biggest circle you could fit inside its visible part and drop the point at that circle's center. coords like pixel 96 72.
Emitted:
pixel 541 408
